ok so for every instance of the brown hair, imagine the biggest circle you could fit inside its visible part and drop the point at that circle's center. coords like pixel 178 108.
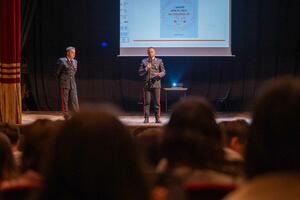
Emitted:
pixel 94 157
pixel 36 142
pixel 7 163
pixel 192 135
pixel 11 131
pixel 274 138
pixel 236 128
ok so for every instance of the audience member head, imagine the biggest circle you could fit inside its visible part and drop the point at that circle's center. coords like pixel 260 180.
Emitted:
pixel 274 138
pixel 12 132
pixel 235 134
pixel 37 139
pixel 94 157
pixel 7 163
pixel 135 132
pixel 149 143
pixel 192 136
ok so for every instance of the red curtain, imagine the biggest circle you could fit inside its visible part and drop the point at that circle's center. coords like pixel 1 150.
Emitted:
pixel 10 56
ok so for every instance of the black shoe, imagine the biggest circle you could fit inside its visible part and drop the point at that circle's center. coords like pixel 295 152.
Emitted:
pixel 157 121
pixel 67 116
pixel 146 121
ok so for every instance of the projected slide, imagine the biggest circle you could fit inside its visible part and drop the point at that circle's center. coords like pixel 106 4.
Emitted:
pixel 179 19
pixel 175 27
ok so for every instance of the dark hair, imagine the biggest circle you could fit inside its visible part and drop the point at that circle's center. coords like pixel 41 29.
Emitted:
pixel 36 143
pixel 94 157
pixel 135 132
pixel 150 48
pixel 11 131
pixel 274 137
pixel 236 128
pixel 192 136
pixel 7 163
pixel 149 144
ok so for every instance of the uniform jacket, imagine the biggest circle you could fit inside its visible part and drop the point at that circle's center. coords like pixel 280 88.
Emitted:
pixel 65 72
pixel 150 79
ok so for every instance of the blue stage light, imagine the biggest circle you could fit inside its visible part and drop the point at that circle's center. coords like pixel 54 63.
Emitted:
pixel 174 84
pixel 104 44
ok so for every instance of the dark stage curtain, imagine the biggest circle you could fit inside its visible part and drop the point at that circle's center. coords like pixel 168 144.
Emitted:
pixel 265 40
pixel 10 55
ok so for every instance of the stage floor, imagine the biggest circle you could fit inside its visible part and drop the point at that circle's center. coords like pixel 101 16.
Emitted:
pixel 129 119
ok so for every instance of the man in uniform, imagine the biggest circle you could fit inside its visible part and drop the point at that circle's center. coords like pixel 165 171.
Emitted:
pixel 65 72
pixel 153 70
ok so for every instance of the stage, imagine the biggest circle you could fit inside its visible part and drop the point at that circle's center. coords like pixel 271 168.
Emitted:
pixel 129 119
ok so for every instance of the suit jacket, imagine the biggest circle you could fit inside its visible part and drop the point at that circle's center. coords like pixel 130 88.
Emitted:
pixel 150 79
pixel 65 72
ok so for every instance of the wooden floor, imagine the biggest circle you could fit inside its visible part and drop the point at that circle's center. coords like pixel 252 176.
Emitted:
pixel 129 119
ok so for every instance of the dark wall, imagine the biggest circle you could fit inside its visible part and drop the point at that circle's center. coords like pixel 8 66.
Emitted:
pixel 265 40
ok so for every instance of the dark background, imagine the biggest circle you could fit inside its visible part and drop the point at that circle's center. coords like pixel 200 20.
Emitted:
pixel 265 40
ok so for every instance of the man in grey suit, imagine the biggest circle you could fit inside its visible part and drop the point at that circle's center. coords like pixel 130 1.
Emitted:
pixel 153 70
pixel 65 72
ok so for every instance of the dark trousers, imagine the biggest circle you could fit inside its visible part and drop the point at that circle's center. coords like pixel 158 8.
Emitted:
pixel 155 94
pixel 69 94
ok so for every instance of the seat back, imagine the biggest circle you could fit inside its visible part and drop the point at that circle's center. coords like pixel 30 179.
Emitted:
pixel 207 191
pixel 18 191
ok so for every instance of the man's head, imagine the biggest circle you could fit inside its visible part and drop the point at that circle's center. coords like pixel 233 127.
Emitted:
pixel 11 131
pixel 151 52
pixel 235 134
pixel 192 136
pixel 71 52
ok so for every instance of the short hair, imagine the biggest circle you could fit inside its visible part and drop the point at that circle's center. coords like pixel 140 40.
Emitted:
pixel 236 128
pixel 274 139
pixel 70 48
pixel 150 48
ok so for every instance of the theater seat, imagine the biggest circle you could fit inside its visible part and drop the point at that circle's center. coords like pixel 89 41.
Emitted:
pixel 18 191
pixel 207 191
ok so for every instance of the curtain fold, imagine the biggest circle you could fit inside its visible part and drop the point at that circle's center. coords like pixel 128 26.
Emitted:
pixel 10 56
pixel 28 10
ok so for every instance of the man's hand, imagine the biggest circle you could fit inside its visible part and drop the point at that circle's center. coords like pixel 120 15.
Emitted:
pixel 157 74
